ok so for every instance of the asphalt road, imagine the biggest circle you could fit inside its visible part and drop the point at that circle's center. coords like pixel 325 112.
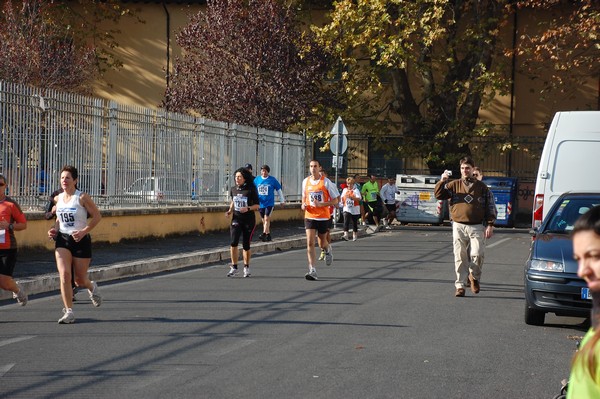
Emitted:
pixel 381 322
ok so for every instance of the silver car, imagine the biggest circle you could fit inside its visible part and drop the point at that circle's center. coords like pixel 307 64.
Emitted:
pixel 160 189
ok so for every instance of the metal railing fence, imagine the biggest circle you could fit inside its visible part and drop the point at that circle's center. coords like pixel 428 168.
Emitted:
pixel 519 159
pixel 131 156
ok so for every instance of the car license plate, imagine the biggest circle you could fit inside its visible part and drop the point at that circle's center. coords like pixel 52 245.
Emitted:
pixel 586 293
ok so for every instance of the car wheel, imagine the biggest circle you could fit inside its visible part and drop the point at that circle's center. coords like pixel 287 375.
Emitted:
pixel 534 317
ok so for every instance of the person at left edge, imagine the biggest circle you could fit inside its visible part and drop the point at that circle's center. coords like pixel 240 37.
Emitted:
pixel 11 219
pixel 267 186
pixel 244 201
pixel 73 247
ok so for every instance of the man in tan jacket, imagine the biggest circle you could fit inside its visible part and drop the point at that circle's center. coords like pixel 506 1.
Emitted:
pixel 473 214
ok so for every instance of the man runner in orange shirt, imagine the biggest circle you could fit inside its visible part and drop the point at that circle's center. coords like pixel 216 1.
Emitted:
pixel 318 195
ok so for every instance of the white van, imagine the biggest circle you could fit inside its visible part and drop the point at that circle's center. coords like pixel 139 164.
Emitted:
pixel 570 160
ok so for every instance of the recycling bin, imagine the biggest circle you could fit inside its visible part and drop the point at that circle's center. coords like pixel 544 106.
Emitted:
pixel 505 195
pixel 416 202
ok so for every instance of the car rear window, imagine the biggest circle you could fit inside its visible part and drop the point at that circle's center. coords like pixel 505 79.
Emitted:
pixel 567 212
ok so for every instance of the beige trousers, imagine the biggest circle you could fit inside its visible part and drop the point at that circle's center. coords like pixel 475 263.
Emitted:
pixel 469 247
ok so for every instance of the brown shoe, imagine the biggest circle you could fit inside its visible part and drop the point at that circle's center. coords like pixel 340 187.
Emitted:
pixel 474 284
pixel 460 292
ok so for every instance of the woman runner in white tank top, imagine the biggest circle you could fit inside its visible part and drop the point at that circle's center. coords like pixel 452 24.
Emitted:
pixel 71 216
pixel 73 250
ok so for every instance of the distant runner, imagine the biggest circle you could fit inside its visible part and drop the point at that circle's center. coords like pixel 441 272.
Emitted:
pixel 267 186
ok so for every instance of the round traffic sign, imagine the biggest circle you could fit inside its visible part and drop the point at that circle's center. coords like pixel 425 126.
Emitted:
pixel 333 144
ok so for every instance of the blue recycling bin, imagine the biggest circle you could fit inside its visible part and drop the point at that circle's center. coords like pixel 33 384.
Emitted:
pixel 505 195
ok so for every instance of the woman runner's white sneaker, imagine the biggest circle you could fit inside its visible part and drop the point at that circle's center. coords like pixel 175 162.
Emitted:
pixel 20 296
pixel 246 271
pixel 233 271
pixel 95 296
pixel 68 317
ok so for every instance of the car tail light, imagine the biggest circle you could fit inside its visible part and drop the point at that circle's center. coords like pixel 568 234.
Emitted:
pixel 538 210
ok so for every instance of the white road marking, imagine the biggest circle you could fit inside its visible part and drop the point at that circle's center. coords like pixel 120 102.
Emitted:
pixel 238 344
pixel 497 243
pixel 14 340
pixel 6 369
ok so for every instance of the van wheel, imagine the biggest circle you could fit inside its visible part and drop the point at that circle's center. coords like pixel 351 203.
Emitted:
pixel 534 317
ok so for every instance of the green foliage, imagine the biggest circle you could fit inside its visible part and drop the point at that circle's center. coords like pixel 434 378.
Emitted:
pixel 424 68
pixel 421 67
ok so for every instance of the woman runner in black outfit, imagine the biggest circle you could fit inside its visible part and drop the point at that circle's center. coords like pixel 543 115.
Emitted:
pixel 244 201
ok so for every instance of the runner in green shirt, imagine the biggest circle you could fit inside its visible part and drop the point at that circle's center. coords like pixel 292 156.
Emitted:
pixel 370 193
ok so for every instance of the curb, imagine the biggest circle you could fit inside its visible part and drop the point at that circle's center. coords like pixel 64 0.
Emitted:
pixel 51 282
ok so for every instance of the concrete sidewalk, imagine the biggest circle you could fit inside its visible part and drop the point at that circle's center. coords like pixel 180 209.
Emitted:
pixel 36 271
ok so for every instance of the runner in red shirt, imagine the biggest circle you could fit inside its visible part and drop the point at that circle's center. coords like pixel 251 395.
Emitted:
pixel 11 219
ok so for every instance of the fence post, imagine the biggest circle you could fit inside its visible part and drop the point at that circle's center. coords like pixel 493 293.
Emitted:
pixel 111 156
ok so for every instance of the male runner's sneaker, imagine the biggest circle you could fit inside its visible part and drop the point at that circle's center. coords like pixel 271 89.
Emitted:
pixel 233 271
pixel 311 275
pixel 262 236
pixel 322 256
pixel 246 271
pixel 68 317
pixel 329 257
pixel 268 237
pixel 20 296
pixel 95 296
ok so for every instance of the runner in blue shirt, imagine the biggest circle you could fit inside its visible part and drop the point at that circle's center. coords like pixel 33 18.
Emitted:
pixel 267 186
